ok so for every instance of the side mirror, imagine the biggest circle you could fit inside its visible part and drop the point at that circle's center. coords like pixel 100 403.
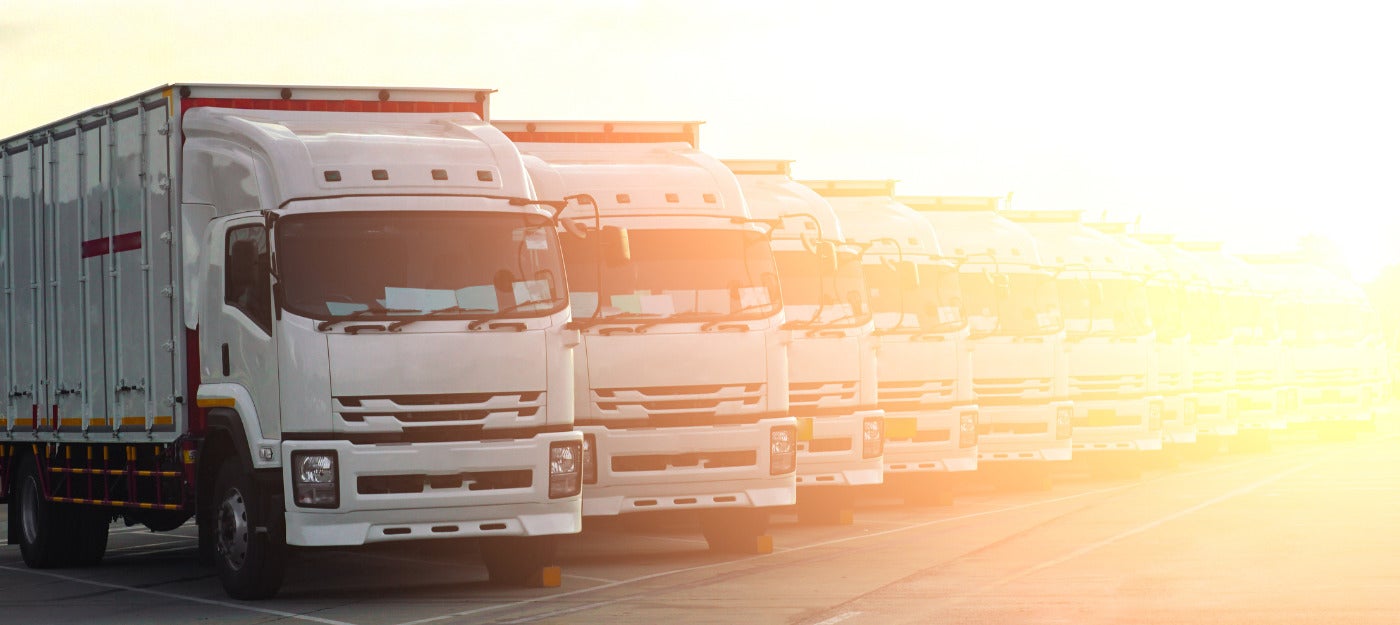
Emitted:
pixel 615 247
pixel 573 228
pixel 827 258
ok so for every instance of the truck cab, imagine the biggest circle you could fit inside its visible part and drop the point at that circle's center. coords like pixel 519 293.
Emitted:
pixel 681 387
pixel 1171 371
pixel 1250 299
pixel 1110 343
pixel 1015 332
pixel 925 367
pixel 1210 353
pixel 832 382
pixel 1326 323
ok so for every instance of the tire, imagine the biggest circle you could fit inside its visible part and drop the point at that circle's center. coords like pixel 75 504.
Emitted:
pixel 518 560
pixel 249 541
pixel 45 528
pixel 89 544
pixel 735 530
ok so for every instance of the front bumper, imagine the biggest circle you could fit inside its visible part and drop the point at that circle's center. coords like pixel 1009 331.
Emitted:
pixel 830 451
pixel 929 440
pixel 1023 433
pixel 1217 413
pixel 1179 421
pixel 1259 409
pixel 1333 404
pixel 1115 425
pixel 687 482
pixel 434 512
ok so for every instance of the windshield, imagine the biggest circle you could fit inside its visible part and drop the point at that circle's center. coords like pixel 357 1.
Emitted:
pixel 838 296
pixel 1166 301
pixel 704 273
pixel 935 305
pixel 1205 316
pixel 401 263
pixel 1016 304
pixel 1252 316
pixel 1113 306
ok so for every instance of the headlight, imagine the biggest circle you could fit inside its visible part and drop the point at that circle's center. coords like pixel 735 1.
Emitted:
pixel 873 437
pixel 967 429
pixel 565 469
pixel 1064 422
pixel 782 450
pixel 315 479
pixel 1154 416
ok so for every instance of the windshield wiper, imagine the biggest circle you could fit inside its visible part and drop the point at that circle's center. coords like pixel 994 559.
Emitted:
pixel 359 314
pixel 510 309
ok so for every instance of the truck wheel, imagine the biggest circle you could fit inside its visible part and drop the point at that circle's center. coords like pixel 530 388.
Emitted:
pixel 521 560
pixel 45 529
pixel 89 542
pixel 736 530
pixel 250 550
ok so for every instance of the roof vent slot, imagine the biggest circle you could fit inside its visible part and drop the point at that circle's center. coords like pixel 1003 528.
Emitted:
pixel 379 174
pixel 623 198
pixel 673 197
pixel 484 175
pixel 710 198
pixel 331 175
pixel 439 174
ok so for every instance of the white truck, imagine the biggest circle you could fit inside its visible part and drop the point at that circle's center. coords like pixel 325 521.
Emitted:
pixel 1167 301
pixel 1109 340
pixel 1020 374
pixel 832 383
pixel 1250 300
pixel 681 387
pixel 925 367
pixel 294 314
pixel 1210 353
pixel 1326 325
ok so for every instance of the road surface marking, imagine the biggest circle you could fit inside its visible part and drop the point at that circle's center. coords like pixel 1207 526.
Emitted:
pixel 837 619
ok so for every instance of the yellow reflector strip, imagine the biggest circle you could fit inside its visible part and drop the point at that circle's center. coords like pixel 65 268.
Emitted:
pixel 804 428
pixel 901 427
pixel 215 402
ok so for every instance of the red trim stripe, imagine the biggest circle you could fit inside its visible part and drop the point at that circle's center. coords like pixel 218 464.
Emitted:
pixel 120 243
pixel 352 106
pixel 598 137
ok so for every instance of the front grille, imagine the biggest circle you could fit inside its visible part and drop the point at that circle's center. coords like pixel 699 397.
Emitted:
pixel 417 483
pixel 808 397
pixel 825 444
pixel 1171 381
pixel 1081 385
pixel 911 395
pixel 703 460
pixel 439 409
pixel 985 428
pixel 1207 380
pixel 1010 390
pixel 1106 418
pixel 1255 378
pixel 924 436
pixel 1326 377
pixel 677 405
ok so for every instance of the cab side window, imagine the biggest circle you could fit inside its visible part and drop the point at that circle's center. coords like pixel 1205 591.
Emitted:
pixel 247 279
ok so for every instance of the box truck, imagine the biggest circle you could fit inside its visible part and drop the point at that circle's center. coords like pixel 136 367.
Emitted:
pixel 925 366
pixel 1020 374
pixel 300 315
pixel 1109 340
pixel 681 387
pixel 832 383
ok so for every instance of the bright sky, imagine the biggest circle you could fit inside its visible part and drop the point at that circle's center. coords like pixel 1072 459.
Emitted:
pixel 1252 122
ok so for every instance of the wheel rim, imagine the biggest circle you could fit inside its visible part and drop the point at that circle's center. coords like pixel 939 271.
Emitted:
pixel 231 533
pixel 29 511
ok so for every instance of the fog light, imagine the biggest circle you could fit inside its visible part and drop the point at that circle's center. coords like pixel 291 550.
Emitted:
pixel 315 479
pixel 782 450
pixel 1064 422
pixel 872 433
pixel 1154 415
pixel 967 429
pixel 565 468
pixel 590 459
pixel 1188 411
